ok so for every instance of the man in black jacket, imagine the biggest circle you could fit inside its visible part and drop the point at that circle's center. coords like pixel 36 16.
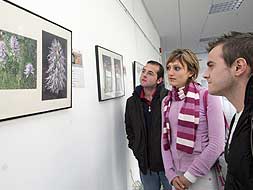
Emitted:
pixel 229 74
pixel 143 126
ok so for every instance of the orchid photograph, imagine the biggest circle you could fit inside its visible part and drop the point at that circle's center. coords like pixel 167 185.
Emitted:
pixel 35 63
pixel 18 61
pixel 54 67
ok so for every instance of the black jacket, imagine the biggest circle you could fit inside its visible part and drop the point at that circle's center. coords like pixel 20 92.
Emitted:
pixel 145 139
pixel 239 157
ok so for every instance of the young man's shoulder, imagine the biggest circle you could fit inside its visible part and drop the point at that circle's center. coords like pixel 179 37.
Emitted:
pixel 163 92
pixel 132 98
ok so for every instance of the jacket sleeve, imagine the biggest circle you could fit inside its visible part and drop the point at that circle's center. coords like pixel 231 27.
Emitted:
pixel 251 147
pixel 129 127
pixel 167 157
pixel 202 164
pixel 251 181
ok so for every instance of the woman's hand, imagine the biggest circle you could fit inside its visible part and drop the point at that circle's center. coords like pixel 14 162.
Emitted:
pixel 185 181
pixel 177 183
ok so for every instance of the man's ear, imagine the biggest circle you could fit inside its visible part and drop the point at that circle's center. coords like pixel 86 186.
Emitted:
pixel 240 66
pixel 159 80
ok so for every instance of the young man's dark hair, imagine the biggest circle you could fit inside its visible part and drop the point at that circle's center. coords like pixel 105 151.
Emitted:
pixel 235 45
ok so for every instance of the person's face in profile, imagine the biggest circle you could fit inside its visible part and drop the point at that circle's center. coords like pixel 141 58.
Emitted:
pixel 218 74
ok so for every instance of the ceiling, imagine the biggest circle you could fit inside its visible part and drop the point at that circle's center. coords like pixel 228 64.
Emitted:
pixel 187 24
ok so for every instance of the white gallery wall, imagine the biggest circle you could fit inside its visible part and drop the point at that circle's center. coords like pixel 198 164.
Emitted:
pixel 83 147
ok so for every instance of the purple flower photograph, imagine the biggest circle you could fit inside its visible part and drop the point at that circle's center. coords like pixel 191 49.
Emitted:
pixel 18 61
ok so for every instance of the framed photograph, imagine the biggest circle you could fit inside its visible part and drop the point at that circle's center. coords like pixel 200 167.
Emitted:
pixel 137 69
pixel 109 74
pixel 35 63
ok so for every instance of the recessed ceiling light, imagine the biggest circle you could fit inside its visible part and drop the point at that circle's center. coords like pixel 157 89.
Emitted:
pixel 225 6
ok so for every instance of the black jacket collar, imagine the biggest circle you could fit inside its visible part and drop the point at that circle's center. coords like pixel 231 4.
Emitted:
pixel 160 91
pixel 248 100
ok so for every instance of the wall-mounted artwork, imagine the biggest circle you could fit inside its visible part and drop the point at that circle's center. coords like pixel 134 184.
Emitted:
pixel 77 59
pixel 18 61
pixel 78 80
pixel 35 63
pixel 109 74
pixel 54 67
pixel 137 69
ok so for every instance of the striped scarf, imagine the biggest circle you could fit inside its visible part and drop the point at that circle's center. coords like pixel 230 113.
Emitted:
pixel 188 118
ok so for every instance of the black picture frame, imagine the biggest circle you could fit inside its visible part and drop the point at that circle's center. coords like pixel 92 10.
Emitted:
pixel 34 53
pixel 110 77
pixel 137 70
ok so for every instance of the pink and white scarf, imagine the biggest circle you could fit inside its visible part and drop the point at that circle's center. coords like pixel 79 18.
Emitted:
pixel 188 118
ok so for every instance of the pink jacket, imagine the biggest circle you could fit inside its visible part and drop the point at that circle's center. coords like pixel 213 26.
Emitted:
pixel 209 144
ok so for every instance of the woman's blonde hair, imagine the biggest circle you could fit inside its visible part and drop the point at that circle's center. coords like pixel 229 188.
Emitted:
pixel 187 57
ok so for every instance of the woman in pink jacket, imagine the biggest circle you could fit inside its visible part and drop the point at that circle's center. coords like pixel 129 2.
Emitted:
pixel 193 134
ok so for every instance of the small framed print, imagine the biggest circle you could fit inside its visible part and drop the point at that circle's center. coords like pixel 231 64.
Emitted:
pixel 109 74
pixel 137 69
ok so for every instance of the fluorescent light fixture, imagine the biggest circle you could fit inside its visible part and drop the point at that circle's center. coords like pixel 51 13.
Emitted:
pixel 225 6
pixel 208 39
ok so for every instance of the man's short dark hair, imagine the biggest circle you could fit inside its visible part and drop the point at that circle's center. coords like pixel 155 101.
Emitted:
pixel 160 72
pixel 235 45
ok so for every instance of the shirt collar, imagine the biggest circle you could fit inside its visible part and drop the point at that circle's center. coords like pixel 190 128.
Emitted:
pixel 142 96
